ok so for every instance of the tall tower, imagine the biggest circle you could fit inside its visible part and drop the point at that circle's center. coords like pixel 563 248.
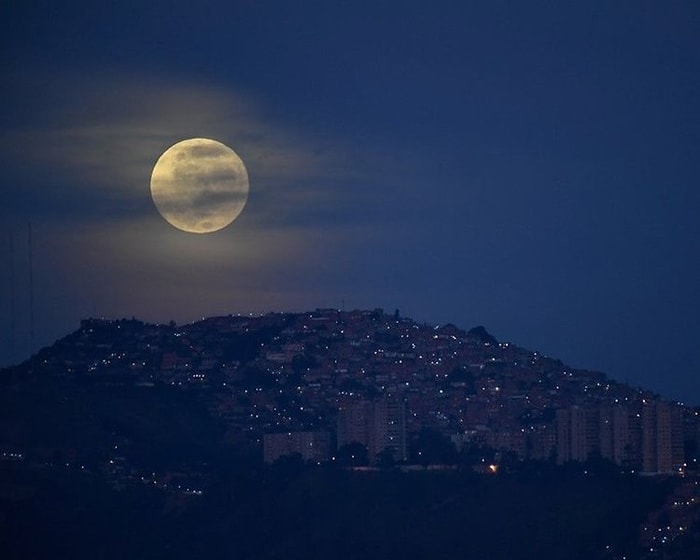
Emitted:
pixel 378 425
pixel 621 440
pixel 615 436
pixel 353 424
pixel 572 442
pixel 662 437
pixel 31 289
pixel 387 423
pixel 13 295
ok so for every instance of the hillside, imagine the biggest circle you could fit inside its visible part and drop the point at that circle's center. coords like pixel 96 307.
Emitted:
pixel 173 415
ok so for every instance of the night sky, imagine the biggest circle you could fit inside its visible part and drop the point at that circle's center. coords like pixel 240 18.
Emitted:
pixel 530 166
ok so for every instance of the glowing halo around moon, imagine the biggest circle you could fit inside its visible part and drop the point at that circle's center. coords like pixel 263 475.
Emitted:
pixel 199 185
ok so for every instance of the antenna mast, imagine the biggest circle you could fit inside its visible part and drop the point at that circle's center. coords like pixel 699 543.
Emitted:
pixel 13 318
pixel 31 290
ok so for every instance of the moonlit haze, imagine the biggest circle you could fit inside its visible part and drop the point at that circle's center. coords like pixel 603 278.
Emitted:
pixel 530 167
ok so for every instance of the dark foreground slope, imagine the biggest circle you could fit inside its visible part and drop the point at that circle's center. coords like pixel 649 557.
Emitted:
pixel 129 440
pixel 80 421
pixel 289 512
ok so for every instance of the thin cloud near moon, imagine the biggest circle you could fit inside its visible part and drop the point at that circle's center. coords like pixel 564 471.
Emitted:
pixel 199 185
pixel 109 155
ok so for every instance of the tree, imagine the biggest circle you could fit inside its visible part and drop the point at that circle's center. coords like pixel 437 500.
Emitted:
pixel 385 459
pixel 352 454
pixel 431 447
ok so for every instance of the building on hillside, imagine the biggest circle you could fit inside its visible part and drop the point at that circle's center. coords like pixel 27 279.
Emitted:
pixel 571 434
pixel 378 425
pixel 387 429
pixel 616 435
pixel 662 437
pixel 353 424
pixel 649 439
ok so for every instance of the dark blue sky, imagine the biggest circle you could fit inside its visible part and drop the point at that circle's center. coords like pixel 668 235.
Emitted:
pixel 530 166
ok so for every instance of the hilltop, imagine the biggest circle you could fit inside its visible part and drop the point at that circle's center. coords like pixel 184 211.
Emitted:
pixel 180 408
pixel 249 376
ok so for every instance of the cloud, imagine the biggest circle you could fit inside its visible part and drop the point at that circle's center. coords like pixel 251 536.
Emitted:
pixel 102 134
pixel 86 147
pixel 148 269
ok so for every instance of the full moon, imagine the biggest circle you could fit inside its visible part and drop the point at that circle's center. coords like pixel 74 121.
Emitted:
pixel 199 185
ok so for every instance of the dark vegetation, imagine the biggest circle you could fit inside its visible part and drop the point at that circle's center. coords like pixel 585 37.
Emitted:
pixel 288 510
pixel 291 510
pixel 81 421
pixel 96 447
